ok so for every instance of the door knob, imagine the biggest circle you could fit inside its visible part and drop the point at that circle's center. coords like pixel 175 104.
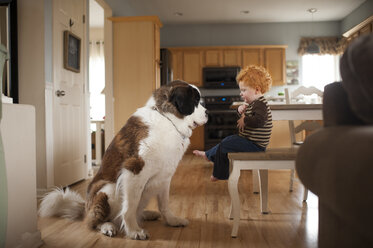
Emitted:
pixel 60 93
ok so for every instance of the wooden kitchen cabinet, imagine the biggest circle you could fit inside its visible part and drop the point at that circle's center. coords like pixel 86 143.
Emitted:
pixel 177 64
pixel 197 140
pixel 222 57
pixel 274 62
pixel 213 57
pixel 251 56
pixel 136 59
pixel 186 65
pixel 273 59
pixel 188 62
pixel 232 57
pixel 192 64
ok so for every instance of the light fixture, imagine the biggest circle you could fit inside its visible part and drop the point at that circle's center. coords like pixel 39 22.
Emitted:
pixel 312 48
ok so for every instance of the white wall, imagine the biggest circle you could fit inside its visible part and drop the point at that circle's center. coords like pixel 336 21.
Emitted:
pixel 31 69
pixel 96 34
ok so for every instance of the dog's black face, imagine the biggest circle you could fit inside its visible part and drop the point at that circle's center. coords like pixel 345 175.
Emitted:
pixel 185 99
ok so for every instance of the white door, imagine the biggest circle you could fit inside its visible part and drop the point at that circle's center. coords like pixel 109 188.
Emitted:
pixel 68 100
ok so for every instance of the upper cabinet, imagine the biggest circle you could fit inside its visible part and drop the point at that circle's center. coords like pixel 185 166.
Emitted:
pixel 188 62
pixel 232 57
pixel 192 64
pixel 136 58
pixel 251 56
pixel 177 64
pixel 274 62
pixel 213 57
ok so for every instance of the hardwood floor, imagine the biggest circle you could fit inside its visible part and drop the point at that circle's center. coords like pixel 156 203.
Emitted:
pixel 205 204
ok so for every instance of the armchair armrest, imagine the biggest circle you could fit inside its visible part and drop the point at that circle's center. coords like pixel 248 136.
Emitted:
pixel 336 163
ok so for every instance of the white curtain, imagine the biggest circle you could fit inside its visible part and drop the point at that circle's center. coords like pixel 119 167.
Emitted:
pixel 96 79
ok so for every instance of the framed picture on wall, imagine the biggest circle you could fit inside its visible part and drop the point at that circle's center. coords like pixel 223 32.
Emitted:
pixel 72 50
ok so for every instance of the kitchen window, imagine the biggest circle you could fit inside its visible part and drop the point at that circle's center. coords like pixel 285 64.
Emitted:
pixel 320 70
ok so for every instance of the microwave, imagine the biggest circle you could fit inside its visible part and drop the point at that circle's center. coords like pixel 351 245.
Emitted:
pixel 220 77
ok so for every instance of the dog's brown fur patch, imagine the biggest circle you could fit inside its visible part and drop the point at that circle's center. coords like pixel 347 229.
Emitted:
pixel 125 146
pixel 162 96
pixel 134 164
pixel 94 188
pixel 99 210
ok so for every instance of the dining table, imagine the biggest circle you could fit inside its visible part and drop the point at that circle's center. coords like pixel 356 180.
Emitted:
pixel 293 111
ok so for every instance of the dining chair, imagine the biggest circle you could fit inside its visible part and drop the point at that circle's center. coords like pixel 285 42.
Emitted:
pixel 306 127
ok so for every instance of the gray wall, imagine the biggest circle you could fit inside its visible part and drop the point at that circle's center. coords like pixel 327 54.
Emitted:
pixel 175 35
pixel 246 34
pixel 251 33
pixel 358 15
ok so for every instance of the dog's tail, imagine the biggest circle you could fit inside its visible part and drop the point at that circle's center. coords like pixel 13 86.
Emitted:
pixel 67 204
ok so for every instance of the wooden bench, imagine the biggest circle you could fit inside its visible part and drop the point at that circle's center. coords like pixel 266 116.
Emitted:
pixel 260 163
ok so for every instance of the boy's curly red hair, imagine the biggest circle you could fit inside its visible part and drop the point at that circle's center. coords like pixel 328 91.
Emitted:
pixel 255 77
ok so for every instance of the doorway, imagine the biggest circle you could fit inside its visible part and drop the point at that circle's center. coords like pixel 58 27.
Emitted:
pixel 96 79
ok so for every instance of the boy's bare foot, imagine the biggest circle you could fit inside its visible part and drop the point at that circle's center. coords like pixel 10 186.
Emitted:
pixel 213 179
pixel 200 154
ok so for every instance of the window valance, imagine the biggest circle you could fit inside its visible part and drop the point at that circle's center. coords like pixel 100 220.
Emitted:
pixel 327 45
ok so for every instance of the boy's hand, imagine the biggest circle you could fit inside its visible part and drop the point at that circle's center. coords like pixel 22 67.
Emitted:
pixel 241 123
pixel 242 108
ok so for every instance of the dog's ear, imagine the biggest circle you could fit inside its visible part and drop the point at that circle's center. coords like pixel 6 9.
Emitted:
pixel 185 99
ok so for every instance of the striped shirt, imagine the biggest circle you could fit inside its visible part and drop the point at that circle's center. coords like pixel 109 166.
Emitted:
pixel 258 122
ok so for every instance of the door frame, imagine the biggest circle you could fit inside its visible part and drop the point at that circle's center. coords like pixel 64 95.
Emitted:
pixel 108 53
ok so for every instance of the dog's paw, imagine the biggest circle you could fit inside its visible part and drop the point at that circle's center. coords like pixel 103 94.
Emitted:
pixel 108 229
pixel 176 221
pixel 139 234
pixel 150 215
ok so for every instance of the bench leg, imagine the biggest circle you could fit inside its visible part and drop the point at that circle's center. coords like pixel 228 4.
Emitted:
pixel 263 178
pixel 256 181
pixel 305 194
pixel 235 199
pixel 291 186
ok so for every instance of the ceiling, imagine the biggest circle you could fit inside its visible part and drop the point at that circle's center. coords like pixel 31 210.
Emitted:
pixel 230 11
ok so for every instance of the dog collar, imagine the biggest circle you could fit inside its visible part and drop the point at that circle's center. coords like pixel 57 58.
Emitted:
pixel 182 135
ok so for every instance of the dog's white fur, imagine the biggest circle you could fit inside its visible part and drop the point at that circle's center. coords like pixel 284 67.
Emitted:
pixel 162 150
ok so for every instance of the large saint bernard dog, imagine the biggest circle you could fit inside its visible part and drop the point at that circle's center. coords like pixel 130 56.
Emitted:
pixel 138 165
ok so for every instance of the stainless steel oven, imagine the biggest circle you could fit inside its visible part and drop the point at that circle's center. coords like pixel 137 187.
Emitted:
pixel 222 120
